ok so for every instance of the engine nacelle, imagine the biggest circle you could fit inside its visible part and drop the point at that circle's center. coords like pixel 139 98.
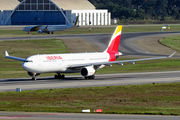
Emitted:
pixel 31 74
pixel 87 71
pixel 40 31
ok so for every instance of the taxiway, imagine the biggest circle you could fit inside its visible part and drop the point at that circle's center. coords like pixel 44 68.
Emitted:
pixel 101 80
pixel 77 116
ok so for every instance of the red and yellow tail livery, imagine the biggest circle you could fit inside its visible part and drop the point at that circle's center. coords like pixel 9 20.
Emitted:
pixel 113 46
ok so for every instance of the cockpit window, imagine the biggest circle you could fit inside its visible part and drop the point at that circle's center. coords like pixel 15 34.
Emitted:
pixel 28 61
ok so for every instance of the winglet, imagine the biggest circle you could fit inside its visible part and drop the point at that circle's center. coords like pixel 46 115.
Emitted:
pixel 14 58
pixel 171 55
pixel 6 53
pixel 76 22
pixel 77 19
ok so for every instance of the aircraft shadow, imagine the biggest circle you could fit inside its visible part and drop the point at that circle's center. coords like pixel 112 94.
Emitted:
pixel 66 79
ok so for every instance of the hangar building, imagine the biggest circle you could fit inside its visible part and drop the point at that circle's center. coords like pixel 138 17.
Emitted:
pixel 51 12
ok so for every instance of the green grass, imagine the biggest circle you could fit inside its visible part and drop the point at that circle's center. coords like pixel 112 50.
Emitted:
pixel 172 42
pixel 149 29
pixel 85 30
pixel 158 99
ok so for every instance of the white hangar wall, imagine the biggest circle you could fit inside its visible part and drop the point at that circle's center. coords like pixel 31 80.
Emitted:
pixel 93 17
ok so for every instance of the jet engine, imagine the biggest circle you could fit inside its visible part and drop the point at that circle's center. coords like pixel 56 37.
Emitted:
pixel 87 71
pixel 31 74
pixel 40 31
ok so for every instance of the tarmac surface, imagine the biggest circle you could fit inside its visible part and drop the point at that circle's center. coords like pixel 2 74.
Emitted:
pixel 79 81
pixel 78 116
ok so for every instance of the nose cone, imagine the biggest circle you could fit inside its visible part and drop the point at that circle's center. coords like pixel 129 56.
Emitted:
pixel 27 29
pixel 25 66
pixel 28 66
pixel 23 29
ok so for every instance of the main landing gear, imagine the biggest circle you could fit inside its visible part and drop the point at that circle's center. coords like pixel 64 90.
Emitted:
pixel 59 76
pixel 34 78
pixel 50 32
pixel 90 77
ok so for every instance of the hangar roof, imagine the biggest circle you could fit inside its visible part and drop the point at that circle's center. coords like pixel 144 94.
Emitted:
pixel 8 4
pixel 74 4
pixel 64 4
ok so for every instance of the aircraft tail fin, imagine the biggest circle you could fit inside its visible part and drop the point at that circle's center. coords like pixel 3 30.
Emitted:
pixel 115 40
pixel 76 22
pixel 113 46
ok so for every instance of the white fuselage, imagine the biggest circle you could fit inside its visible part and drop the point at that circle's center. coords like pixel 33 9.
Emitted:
pixel 58 27
pixel 50 28
pixel 60 63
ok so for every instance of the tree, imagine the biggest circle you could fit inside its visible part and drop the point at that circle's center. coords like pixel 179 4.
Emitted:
pixel 176 14
pixel 161 6
pixel 149 7
pixel 127 3
pixel 140 14
pixel 138 3
pixel 170 6
pixel 126 12
pixel 140 9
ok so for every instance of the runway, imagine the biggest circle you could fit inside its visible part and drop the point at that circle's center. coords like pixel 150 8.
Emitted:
pixel 77 116
pixel 101 80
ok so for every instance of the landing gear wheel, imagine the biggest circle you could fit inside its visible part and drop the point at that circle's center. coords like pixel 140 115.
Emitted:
pixel 48 32
pixel 55 76
pixel 93 77
pixel 90 77
pixel 52 32
pixel 34 78
pixel 63 76
pixel 59 76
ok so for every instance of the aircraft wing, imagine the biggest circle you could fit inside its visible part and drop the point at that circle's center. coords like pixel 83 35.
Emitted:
pixel 14 58
pixel 119 62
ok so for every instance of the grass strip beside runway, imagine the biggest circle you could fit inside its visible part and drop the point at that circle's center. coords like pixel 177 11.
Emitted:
pixel 172 42
pixel 85 30
pixel 156 99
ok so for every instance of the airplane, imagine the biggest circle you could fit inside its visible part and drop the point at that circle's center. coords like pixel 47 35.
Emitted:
pixel 50 28
pixel 85 63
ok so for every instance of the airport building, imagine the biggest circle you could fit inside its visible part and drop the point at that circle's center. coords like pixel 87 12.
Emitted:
pixel 51 12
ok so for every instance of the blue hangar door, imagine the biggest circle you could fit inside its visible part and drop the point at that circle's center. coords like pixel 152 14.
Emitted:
pixel 37 18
